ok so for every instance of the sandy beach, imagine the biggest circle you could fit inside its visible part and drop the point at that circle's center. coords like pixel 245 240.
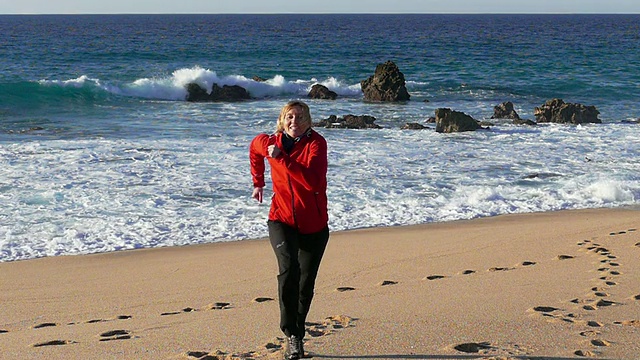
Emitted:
pixel 557 285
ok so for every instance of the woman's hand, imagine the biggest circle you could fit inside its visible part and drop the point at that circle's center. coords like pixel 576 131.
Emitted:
pixel 273 151
pixel 257 194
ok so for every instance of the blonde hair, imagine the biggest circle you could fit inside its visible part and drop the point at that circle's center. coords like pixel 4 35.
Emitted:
pixel 306 114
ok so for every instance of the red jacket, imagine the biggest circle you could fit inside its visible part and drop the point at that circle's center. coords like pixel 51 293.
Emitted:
pixel 299 180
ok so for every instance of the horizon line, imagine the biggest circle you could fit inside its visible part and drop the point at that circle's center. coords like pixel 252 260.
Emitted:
pixel 335 13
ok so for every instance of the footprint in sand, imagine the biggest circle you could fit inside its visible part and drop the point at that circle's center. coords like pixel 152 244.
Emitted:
pixel 528 263
pixel 634 323
pixel 119 317
pixel 339 321
pixel 600 303
pixel 585 353
pixel 602 251
pixel 564 257
pixel 473 347
pixel 621 232
pixel 637 297
pixel 598 342
pixel 498 268
pixel 545 309
pixel 345 288
pixel 329 325
pixel 468 272
pixel 218 306
pixel 43 325
pixel 213 306
pixel 197 354
pixel 273 349
pixel 262 299
pixel 2 331
pixel 115 335
pixel 603 302
pixel 434 277
pixel 388 282
pixel 590 333
pixel 54 343
pixel 185 310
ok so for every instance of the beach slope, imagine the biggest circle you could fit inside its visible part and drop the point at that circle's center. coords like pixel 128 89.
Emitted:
pixel 556 285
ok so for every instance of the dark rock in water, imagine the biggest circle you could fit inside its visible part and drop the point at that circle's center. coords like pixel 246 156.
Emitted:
pixel 258 79
pixel 319 91
pixel 505 111
pixel 524 122
pixel 348 122
pixel 387 84
pixel 557 111
pixel 448 121
pixel 197 93
pixel 485 123
pixel 413 126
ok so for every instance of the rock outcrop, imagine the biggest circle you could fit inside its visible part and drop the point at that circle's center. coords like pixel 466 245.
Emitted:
pixel 505 111
pixel 557 111
pixel 197 93
pixel 387 84
pixel 348 122
pixel 319 91
pixel 413 126
pixel 449 121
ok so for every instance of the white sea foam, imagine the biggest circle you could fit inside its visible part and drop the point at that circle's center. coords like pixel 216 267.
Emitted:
pixel 77 82
pixel 96 195
pixel 173 87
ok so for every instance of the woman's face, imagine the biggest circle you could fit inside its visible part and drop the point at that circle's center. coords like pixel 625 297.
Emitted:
pixel 294 122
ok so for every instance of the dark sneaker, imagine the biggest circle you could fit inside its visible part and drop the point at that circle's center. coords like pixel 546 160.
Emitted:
pixel 294 348
pixel 301 351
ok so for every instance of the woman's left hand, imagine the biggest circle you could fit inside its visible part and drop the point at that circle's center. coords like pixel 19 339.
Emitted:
pixel 257 193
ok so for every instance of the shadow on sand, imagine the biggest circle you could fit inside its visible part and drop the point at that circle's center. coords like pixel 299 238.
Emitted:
pixel 439 357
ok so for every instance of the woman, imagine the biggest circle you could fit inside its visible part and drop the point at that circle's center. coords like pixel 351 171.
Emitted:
pixel 298 217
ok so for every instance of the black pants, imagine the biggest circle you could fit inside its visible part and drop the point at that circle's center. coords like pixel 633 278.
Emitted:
pixel 299 257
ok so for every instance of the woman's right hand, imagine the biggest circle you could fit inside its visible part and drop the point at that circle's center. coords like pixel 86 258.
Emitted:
pixel 273 151
pixel 257 194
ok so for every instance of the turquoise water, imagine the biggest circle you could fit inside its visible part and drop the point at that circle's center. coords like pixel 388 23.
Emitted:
pixel 100 152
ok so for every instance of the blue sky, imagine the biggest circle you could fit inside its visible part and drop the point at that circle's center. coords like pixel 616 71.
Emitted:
pixel 316 6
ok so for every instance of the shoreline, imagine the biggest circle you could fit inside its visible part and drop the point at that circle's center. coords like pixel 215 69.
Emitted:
pixel 553 284
pixel 623 207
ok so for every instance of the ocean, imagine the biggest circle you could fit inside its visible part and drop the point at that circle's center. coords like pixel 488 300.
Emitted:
pixel 100 152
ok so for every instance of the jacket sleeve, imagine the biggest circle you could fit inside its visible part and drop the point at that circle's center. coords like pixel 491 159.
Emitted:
pixel 312 172
pixel 257 153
